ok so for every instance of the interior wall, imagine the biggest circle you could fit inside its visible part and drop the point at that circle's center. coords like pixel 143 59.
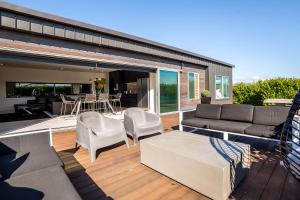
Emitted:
pixel 12 74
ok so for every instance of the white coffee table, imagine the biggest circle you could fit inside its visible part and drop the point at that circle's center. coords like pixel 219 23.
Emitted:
pixel 211 166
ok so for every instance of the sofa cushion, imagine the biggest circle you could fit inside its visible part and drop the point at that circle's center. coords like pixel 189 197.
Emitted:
pixel 264 130
pixel 208 111
pixel 24 143
pixel 270 115
pixel 230 126
pixel 237 112
pixel 198 122
pixel 16 164
pixel 47 183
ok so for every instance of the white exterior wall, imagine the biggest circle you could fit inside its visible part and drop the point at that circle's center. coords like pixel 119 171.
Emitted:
pixel 11 74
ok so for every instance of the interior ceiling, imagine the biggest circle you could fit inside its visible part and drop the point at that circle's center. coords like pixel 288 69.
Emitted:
pixel 52 66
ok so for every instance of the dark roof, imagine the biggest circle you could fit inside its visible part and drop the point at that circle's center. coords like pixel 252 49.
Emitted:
pixel 79 24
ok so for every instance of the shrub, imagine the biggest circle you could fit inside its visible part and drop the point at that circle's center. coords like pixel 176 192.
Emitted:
pixel 256 93
pixel 205 93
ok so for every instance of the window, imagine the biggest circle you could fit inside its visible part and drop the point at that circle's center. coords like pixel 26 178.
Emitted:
pixel 222 87
pixel 168 91
pixel 191 86
pixel 193 79
pixel 22 89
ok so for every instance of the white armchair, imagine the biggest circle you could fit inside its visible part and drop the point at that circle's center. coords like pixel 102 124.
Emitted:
pixel 95 131
pixel 140 123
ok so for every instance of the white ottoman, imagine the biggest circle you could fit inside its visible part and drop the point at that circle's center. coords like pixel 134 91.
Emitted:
pixel 211 166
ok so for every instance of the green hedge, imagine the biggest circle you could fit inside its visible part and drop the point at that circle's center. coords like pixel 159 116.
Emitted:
pixel 256 93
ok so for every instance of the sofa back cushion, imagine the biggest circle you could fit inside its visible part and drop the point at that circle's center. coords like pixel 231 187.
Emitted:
pixel 237 112
pixel 270 115
pixel 208 111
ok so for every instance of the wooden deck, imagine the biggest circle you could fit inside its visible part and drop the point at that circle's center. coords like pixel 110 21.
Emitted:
pixel 118 174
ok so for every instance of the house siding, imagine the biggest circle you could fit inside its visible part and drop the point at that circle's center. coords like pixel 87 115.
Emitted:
pixel 185 102
pixel 33 31
pixel 213 70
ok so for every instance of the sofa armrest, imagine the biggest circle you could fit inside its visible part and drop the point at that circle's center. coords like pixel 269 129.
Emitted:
pixel 188 114
pixel 24 143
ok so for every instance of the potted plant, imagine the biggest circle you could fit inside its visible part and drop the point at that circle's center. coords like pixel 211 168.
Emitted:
pixel 205 97
pixel 99 85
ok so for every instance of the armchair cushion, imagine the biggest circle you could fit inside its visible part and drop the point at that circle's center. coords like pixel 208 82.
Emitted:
pixel 140 123
pixel 92 120
pixel 137 114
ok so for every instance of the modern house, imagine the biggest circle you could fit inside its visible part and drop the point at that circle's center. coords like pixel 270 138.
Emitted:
pixel 66 56
pixel 47 61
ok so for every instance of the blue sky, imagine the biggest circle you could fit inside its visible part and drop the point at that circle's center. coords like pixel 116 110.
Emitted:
pixel 262 38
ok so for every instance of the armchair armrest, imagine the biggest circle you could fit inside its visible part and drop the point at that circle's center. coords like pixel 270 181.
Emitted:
pixel 151 117
pixel 129 124
pixel 83 134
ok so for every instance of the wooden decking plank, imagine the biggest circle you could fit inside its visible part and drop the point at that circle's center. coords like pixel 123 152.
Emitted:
pixel 118 174
pixel 275 185
pixel 258 157
pixel 291 188
pixel 258 183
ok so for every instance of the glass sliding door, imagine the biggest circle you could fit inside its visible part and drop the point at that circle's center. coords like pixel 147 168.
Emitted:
pixel 168 83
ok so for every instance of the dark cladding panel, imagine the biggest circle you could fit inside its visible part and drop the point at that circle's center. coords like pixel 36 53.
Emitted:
pixel 8 19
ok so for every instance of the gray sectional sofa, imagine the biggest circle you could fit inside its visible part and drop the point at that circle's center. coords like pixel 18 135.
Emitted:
pixel 31 169
pixel 257 121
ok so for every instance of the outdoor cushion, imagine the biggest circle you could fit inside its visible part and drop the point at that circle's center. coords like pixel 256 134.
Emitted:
pixel 264 130
pixel 197 122
pixel 230 126
pixel 270 115
pixel 208 111
pixel 16 164
pixel 47 183
pixel 24 143
pixel 237 112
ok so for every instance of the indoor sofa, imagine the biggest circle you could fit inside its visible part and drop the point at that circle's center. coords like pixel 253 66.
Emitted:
pixel 31 169
pixel 257 121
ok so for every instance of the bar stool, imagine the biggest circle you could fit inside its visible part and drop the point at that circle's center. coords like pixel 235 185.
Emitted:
pixel 103 99
pixel 117 100
pixel 90 101
pixel 65 103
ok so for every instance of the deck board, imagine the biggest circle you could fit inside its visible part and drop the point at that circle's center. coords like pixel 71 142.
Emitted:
pixel 118 174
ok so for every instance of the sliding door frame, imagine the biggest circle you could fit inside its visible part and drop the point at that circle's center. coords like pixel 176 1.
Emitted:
pixel 158 90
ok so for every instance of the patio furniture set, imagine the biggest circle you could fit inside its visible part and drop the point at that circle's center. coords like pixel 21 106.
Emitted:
pixel 91 102
pixel 211 166
pixel 95 131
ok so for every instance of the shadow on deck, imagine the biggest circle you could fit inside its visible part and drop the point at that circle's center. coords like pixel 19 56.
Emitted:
pixel 118 174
